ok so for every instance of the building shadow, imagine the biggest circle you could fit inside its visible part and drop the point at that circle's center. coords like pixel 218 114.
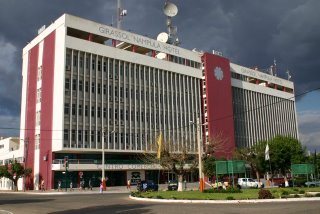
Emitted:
pixel 123 208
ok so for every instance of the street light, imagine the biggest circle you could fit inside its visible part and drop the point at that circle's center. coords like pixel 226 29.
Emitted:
pixel 200 153
pixel 103 162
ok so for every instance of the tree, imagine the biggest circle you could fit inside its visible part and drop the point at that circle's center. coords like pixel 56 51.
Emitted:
pixel 254 156
pixel 216 144
pixel 285 151
pixel 209 166
pixel 14 171
pixel 178 162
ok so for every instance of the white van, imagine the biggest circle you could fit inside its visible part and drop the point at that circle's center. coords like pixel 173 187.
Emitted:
pixel 247 183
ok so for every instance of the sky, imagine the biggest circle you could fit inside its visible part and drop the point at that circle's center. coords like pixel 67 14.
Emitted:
pixel 249 33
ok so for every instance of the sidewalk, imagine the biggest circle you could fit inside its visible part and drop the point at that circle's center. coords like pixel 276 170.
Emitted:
pixel 95 190
pixel 75 191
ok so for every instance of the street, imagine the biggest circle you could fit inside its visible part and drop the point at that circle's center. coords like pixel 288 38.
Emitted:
pixel 120 203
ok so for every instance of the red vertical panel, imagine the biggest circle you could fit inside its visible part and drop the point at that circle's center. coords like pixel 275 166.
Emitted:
pixel 30 111
pixel 47 109
pixel 219 102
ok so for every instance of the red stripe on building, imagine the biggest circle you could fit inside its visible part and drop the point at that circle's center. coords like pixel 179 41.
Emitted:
pixel 30 113
pixel 219 102
pixel 47 109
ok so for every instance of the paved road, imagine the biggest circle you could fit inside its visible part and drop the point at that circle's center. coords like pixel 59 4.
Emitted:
pixel 120 203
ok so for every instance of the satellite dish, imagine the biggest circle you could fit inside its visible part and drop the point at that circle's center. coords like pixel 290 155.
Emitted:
pixel 161 55
pixel 170 9
pixel 163 37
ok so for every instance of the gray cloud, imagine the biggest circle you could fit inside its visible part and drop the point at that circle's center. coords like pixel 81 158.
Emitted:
pixel 309 129
pixel 250 33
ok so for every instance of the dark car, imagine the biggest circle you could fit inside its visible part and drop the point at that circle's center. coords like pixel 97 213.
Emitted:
pixel 147 185
pixel 173 185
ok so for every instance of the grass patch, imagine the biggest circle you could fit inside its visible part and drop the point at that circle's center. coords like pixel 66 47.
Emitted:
pixel 244 195
pixel 197 195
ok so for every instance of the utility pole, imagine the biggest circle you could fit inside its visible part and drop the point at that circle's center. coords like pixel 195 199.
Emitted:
pixel 25 156
pixel 200 152
pixel 102 162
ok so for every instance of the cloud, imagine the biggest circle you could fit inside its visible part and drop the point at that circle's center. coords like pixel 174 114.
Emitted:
pixel 9 126
pixel 309 129
pixel 10 79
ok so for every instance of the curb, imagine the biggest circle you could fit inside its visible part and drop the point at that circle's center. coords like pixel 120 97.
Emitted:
pixel 251 201
pixel 65 193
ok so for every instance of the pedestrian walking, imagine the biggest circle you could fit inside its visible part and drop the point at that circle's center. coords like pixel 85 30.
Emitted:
pixel 42 185
pixel 90 184
pixel 59 186
pixel 129 184
pixel 101 188
pixel 71 186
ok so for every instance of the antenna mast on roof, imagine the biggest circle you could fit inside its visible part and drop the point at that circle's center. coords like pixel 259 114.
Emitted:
pixel 120 14
pixel 171 10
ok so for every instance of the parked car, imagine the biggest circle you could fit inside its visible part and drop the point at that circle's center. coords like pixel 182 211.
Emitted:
pixel 147 185
pixel 312 183
pixel 244 183
pixel 173 185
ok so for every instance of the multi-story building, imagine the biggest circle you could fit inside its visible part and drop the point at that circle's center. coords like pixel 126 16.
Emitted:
pixel 10 150
pixel 86 83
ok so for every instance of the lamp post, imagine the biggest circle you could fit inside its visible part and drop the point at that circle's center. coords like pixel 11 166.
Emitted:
pixel 200 152
pixel 103 162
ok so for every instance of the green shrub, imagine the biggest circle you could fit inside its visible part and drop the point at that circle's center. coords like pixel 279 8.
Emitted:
pixel 296 196
pixel 302 191
pixel 159 197
pixel 230 198
pixel 284 193
pixel 264 194
pixel 317 195
pixel 295 189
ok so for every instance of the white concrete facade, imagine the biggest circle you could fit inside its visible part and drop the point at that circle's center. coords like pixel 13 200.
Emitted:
pixel 10 150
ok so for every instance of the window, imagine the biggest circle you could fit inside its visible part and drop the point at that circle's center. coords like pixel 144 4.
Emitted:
pixel 66 134
pixel 67 84
pixel 98 136
pixel 87 86
pixel 104 89
pixel 92 87
pixel 86 136
pixel 104 66
pixel 121 114
pixel 93 64
pixel 74 84
pixel 73 135
pixel 92 136
pixel 99 65
pixel 66 108
pixel 73 109
pixel 39 95
pixel 80 85
pixel 99 112
pixel 86 111
pixel 79 135
pixel 75 60
pixel 121 92
pixel 87 62
pixel 81 62
pixel 92 111
pixel 39 77
pixel 99 88
pixel 80 110
pixel 104 112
